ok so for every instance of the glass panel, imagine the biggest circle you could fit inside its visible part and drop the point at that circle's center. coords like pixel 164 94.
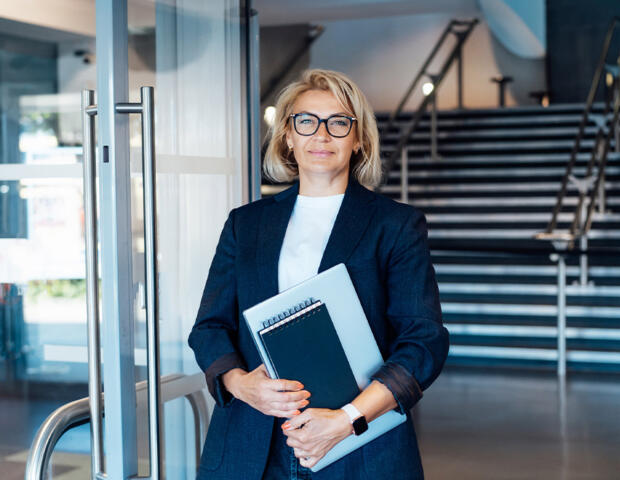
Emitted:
pixel 189 50
pixel 42 288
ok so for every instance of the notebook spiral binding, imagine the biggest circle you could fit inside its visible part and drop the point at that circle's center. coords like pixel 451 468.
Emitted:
pixel 293 313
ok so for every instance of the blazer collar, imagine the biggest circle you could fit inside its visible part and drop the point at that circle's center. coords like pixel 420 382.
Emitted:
pixel 356 210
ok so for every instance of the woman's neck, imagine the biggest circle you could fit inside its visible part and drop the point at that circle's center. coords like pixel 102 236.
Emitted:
pixel 322 186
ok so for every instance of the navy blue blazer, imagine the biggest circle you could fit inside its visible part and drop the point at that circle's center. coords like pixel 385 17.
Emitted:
pixel 384 246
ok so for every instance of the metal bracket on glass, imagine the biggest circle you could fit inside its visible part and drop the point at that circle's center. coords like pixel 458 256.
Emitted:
pixel 146 110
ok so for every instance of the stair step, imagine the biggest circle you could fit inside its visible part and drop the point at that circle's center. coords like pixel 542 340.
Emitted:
pixel 524 310
pixel 509 173
pixel 436 218
pixel 532 354
pixel 524 289
pixel 532 270
pixel 499 201
pixel 492 187
pixel 493 134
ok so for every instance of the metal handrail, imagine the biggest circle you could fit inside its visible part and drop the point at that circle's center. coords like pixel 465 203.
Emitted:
pixel 604 134
pixel 456 54
pixel 77 413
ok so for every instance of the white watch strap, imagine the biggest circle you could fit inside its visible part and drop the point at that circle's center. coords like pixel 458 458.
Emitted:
pixel 352 412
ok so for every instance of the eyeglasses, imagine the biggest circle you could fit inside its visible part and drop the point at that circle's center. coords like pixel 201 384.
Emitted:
pixel 307 124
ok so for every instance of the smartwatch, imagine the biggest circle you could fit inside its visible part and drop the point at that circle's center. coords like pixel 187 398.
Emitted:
pixel 358 421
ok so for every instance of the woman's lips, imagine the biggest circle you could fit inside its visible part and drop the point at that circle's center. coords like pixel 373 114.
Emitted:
pixel 321 153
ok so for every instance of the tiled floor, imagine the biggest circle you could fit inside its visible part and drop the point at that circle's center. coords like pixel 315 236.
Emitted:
pixel 517 426
pixel 471 426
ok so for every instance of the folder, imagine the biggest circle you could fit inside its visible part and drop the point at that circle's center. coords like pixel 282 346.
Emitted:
pixel 322 317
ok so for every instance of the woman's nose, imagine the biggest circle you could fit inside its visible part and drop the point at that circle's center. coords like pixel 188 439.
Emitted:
pixel 322 131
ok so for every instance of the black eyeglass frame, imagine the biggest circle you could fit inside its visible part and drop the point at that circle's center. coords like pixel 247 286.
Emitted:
pixel 293 116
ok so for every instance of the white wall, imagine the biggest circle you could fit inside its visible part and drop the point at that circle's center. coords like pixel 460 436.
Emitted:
pixel 382 55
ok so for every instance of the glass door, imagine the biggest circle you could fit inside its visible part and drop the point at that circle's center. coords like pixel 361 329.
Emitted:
pixel 192 53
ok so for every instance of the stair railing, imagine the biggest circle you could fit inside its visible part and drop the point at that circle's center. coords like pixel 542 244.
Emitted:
pixel 77 413
pixel 461 29
pixel 590 185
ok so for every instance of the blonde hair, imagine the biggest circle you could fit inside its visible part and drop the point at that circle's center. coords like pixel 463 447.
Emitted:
pixel 280 165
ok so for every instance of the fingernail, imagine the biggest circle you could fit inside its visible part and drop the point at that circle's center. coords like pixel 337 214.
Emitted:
pixel 304 403
pixel 300 385
pixel 286 426
pixel 296 412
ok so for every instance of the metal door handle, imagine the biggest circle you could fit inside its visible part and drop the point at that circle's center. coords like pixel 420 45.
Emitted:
pixel 89 110
pixel 145 108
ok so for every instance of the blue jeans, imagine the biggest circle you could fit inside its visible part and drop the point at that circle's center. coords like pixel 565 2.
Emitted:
pixel 282 463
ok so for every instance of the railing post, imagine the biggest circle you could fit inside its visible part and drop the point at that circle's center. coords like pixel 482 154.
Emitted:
pixel 561 312
pixel 434 154
pixel 583 245
pixel 404 176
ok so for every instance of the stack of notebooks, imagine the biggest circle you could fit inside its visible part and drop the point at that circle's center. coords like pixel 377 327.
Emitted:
pixel 317 333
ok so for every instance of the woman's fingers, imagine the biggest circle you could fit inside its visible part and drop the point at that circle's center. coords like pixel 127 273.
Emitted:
pixel 286 385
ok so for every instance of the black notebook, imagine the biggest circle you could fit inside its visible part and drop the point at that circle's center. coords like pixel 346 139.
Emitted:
pixel 303 345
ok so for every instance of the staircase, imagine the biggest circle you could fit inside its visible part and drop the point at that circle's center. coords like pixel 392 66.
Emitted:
pixel 493 186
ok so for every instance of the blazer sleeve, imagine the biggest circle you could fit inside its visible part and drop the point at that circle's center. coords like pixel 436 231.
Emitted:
pixel 420 347
pixel 214 334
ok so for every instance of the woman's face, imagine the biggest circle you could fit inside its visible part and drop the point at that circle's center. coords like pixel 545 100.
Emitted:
pixel 321 155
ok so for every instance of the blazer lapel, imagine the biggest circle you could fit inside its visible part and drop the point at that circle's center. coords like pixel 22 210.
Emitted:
pixel 358 207
pixel 271 230
pixel 352 220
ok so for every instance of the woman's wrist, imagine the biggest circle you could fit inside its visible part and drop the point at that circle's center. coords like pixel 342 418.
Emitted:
pixel 344 423
pixel 230 379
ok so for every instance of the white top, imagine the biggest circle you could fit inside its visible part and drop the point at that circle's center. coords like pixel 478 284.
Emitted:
pixel 306 237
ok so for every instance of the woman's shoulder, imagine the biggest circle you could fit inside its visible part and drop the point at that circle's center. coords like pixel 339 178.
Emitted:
pixel 394 212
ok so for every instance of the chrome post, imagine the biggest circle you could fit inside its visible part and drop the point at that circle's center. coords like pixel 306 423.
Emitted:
pixel 150 252
pixel 583 245
pixel 89 110
pixel 601 195
pixel 561 314
pixel 146 109
pixel 434 155
pixel 404 176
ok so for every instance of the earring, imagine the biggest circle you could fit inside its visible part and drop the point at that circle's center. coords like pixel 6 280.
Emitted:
pixel 290 147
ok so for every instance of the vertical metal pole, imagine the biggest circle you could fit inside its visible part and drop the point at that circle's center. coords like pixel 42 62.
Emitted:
pixel 561 315
pixel 404 176
pixel 583 261
pixel 116 241
pixel 92 283
pixel 459 66
pixel 583 245
pixel 434 154
pixel 150 252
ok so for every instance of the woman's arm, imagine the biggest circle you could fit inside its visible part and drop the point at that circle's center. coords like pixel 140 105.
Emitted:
pixel 417 353
pixel 213 340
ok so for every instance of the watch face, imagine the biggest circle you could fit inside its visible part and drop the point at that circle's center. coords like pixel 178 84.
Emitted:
pixel 360 425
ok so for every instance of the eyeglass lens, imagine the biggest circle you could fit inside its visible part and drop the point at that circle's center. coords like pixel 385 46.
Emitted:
pixel 308 124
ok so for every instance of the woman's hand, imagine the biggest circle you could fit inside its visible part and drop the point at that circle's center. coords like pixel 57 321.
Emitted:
pixel 278 398
pixel 314 432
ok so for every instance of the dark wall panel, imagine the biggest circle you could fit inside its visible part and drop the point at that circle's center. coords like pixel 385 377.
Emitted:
pixel 575 34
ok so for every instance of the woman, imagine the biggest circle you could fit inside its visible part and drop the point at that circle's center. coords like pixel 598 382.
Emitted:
pixel 324 137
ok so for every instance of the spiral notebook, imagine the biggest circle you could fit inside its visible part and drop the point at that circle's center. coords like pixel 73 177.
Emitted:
pixel 304 346
pixel 324 319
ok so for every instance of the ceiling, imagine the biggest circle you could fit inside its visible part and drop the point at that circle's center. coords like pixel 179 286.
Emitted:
pixel 286 12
